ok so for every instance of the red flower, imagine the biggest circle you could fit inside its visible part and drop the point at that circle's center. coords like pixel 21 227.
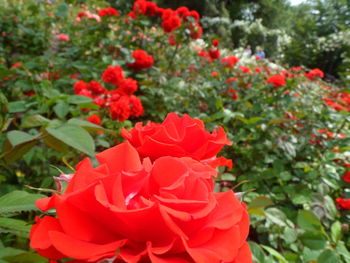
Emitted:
pixel 296 68
pixel 214 53
pixel 136 108
pixel 63 37
pixel 142 60
pixel 215 42
pixel 113 75
pixel 215 74
pixel 314 73
pixel 120 109
pixel 178 137
pixel 166 211
pixel 230 61
pixel 171 24
pixel 95 119
pixel 109 11
pixel 346 176
pixel 128 86
pixel 343 203
pixel 244 69
pixel 277 80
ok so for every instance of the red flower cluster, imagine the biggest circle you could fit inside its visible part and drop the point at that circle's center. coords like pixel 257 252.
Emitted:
pixel 129 209
pixel 142 60
pixel 314 73
pixel 339 101
pixel 230 61
pixel 277 80
pixel 120 102
pixel 109 11
pixel 171 19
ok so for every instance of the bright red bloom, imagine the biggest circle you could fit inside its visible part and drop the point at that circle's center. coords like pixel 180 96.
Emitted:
pixel 128 86
pixel 215 42
pixel 120 109
pixel 296 68
pixel 113 75
pixel 314 73
pixel 244 69
pixel 230 61
pixel 95 119
pixel 343 203
pixel 193 14
pixel 63 37
pixel 258 70
pixel 136 108
pixel 171 24
pixel 182 11
pixel 79 86
pixel 215 74
pixel 178 137
pixel 140 7
pixel 214 53
pixel 142 60
pixel 109 11
pixel 277 80
pixel 165 211
pixel 346 176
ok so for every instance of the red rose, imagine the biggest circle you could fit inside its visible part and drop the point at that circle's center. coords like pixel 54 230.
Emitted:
pixel 230 61
pixel 277 80
pixel 132 211
pixel 178 137
pixel 136 109
pixel 95 119
pixel 214 53
pixel 314 73
pixel 109 11
pixel 215 42
pixel 244 69
pixel 113 75
pixel 343 203
pixel 346 176
pixel 128 86
pixel 120 109
pixel 171 23
pixel 142 60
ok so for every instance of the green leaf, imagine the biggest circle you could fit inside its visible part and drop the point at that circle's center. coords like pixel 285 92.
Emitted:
pixel 314 240
pixel 14 255
pixel 17 106
pixel 74 136
pixel 90 126
pixel 34 121
pixel 258 253
pixel 328 256
pixel 275 254
pixel 343 251
pixel 276 216
pixel 76 99
pixel 308 221
pixel 16 226
pixel 260 202
pixel 336 232
pixel 61 109
pixel 18 201
pixel 19 137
